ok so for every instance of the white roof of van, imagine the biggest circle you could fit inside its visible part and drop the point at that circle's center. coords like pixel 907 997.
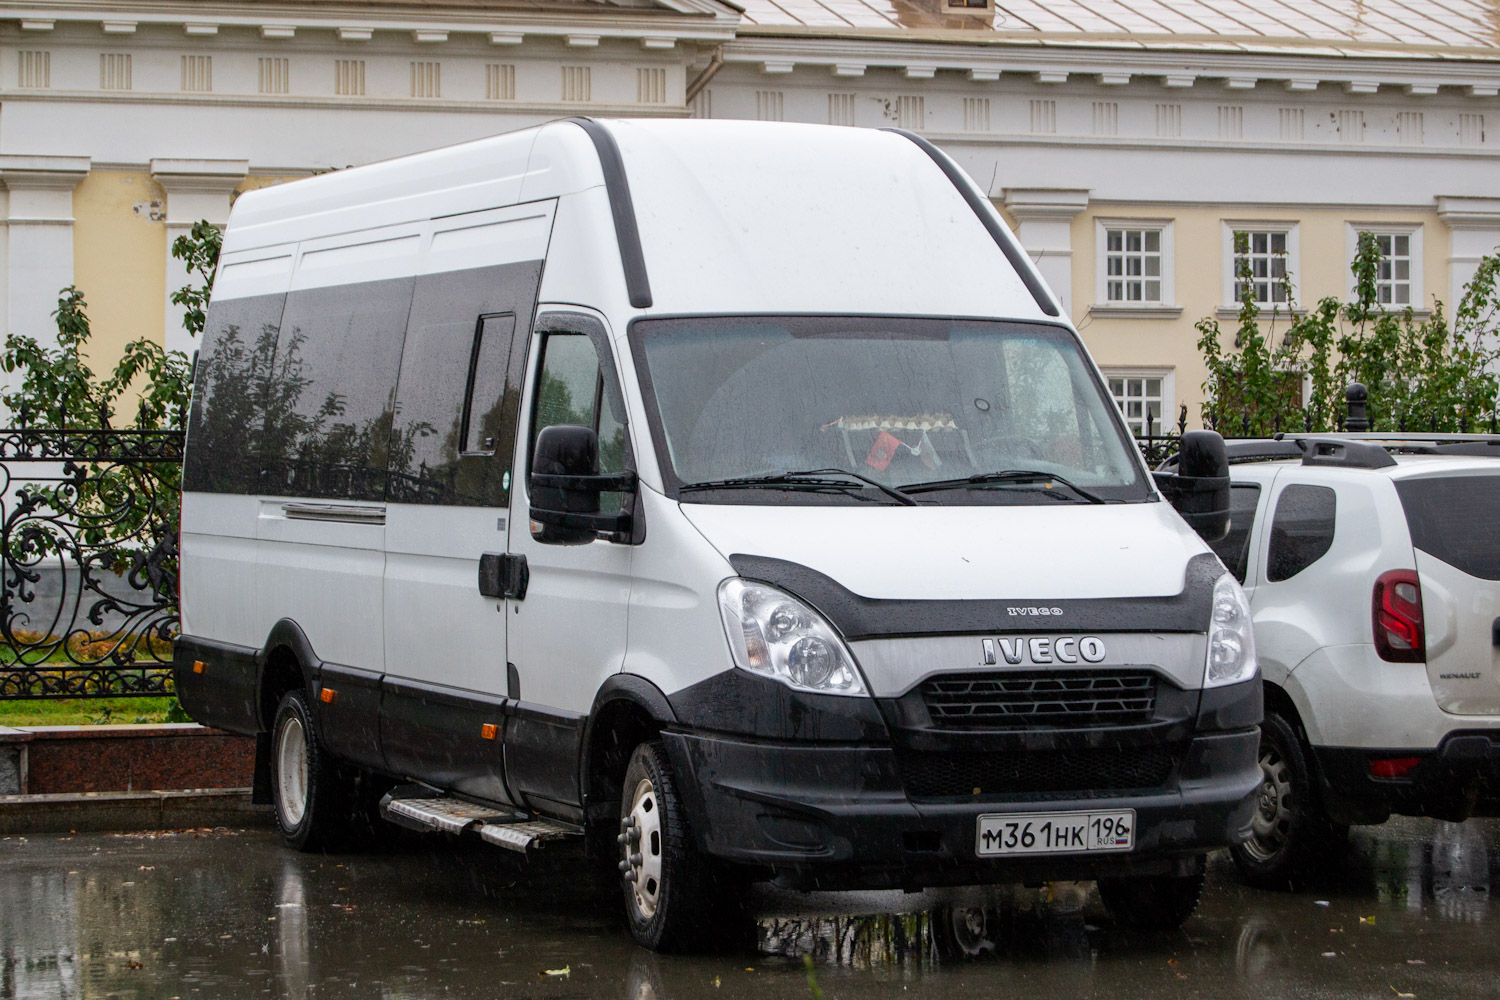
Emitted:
pixel 734 217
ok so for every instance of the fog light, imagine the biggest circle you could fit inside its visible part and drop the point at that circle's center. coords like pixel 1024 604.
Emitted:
pixel 1393 767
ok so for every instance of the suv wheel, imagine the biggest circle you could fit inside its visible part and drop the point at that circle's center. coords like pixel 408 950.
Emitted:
pixel 1289 831
pixel 668 886
pixel 1152 902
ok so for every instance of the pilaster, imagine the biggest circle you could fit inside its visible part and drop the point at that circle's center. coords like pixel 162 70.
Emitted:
pixel 37 246
pixel 1473 232
pixel 196 190
pixel 1044 225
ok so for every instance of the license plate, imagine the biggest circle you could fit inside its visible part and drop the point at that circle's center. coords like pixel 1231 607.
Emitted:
pixel 1055 833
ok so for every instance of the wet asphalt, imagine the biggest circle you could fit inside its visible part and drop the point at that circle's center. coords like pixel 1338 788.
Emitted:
pixel 231 914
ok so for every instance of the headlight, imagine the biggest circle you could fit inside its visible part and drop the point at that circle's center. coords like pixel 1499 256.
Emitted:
pixel 1231 642
pixel 772 633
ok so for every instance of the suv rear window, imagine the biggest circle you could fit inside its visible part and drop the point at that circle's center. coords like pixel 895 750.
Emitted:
pixel 1301 531
pixel 1456 519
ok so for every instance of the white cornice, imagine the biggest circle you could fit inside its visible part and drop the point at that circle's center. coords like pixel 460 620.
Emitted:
pixel 701 20
pixel 1172 69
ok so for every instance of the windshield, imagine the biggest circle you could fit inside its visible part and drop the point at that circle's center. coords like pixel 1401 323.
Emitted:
pixel 955 411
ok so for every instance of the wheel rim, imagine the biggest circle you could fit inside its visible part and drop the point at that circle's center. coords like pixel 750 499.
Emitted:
pixel 291 772
pixel 642 842
pixel 1275 805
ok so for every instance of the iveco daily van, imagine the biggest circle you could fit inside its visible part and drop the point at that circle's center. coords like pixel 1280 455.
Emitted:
pixel 732 495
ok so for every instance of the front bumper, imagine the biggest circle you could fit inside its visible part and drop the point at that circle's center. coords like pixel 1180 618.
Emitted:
pixel 1458 779
pixel 839 816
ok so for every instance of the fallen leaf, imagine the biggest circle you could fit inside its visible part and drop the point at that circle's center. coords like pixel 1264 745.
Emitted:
pixel 1321 902
pixel 1329 954
pixel 716 982
pixel 133 964
pixel 566 970
pixel 1367 920
pixel 1415 961
pixel 1409 996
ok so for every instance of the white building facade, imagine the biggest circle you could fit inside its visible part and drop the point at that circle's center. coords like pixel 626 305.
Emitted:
pixel 1127 141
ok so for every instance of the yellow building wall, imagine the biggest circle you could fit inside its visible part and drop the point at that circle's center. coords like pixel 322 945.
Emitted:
pixel 120 260
pixel 1198 261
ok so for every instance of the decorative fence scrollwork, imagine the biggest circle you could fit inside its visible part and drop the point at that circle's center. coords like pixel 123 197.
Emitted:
pixel 88 562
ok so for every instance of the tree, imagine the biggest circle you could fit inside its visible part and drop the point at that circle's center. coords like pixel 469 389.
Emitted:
pixel 1422 374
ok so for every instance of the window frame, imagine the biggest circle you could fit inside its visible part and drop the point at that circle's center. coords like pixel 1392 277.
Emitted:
pixel 1168 378
pixel 1293 260
pixel 574 324
pixel 1415 284
pixel 1273 512
pixel 1102 226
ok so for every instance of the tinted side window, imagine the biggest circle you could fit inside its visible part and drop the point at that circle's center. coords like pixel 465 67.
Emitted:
pixel 1234 548
pixel 459 398
pixel 327 429
pixel 573 387
pixel 1456 519
pixel 236 377
pixel 1301 531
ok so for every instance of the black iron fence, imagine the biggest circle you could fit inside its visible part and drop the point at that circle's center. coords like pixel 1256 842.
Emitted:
pixel 88 561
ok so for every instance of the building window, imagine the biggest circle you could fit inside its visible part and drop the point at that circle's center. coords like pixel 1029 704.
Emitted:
pixel 1398 275
pixel 35 69
pixel 114 71
pixel 198 73
pixel 1143 395
pixel 577 83
pixel 768 105
pixel 500 82
pixel 976 114
pixel 349 77
pixel 275 76
pixel 426 79
pixel 1133 262
pixel 841 109
pixel 1262 256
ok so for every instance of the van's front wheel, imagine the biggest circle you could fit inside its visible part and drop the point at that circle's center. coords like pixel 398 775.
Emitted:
pixel 304 787
pixel 667 883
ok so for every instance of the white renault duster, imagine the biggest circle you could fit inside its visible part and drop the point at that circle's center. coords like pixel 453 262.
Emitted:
pixel 1373 570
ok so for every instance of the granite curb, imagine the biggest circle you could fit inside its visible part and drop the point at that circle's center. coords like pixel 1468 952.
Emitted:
pixel 91 812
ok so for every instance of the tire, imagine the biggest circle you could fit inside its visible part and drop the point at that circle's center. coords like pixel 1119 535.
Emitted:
pixel 1152 902
pixel 1290 832
pixel 669 888
pixel 306 793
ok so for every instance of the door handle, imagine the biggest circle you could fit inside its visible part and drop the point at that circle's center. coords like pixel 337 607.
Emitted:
pixel 503 574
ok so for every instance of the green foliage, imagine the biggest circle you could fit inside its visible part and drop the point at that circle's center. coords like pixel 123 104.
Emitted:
pixel 1422 374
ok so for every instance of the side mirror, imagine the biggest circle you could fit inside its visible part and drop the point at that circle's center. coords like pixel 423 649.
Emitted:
pixel 565 485
pixel 1200 487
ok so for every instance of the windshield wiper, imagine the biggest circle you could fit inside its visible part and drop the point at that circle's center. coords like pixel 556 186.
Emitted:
pixel 1019 477
pixel 807 478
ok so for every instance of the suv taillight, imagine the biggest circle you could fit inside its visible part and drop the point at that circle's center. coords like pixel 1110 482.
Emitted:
pixel 1399 637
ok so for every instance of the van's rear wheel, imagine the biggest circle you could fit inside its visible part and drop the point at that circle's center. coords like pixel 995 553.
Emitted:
pixel 1290 832
pixel 304 783
pixel 1152 902
pixel 668 885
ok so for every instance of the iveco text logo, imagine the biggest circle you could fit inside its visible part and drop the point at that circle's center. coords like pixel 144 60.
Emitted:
pixel 1031 611
pixel 1049 649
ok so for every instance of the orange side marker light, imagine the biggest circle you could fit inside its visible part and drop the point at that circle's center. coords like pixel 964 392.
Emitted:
pixel 489 730
pixel 199 666
pixel 328 694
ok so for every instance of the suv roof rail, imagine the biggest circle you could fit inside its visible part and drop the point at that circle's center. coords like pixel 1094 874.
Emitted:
pixel 1343 453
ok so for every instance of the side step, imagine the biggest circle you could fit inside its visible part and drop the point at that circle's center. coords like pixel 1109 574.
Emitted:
pixel 422 809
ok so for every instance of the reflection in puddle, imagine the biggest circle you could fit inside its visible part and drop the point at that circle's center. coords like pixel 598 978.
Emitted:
pixel 1029 924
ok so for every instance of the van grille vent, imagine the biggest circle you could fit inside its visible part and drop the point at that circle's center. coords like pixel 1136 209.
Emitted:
pixel 1072 699
pixel 1097 770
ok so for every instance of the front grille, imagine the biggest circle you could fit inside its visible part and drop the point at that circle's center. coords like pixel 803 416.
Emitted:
pixel 1111 769
pixel 1070 699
